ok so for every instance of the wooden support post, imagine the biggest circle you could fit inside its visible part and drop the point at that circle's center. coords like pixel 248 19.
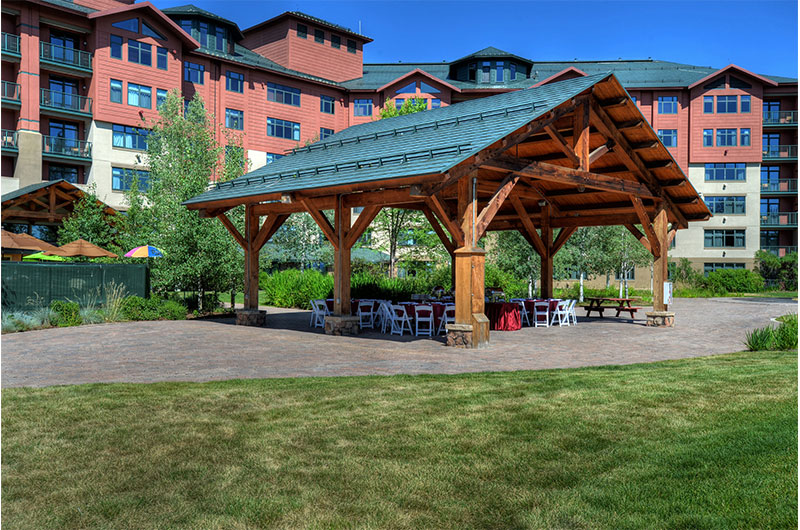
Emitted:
pixel 341 261
pixel 250 259
pixel 547 257
pixel 580 135
pixel 660 265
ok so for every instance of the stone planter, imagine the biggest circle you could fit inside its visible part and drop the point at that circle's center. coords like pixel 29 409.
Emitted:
pixel 661 319
pixel 251 317
pixel 341 325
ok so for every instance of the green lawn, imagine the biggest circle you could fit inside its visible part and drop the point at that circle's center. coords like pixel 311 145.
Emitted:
pixel 701 443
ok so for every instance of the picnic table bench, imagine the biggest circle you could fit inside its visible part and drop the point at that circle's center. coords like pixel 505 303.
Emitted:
pixel 623 305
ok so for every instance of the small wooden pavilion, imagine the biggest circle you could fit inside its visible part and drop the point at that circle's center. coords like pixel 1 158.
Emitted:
pixel 542 161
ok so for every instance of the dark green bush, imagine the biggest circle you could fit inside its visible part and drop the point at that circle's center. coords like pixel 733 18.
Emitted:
pixel 65 313
pixel 138 308
pixel 761 339
pixel 294 288
pixel 171 310
pixel 786 333
pixel 779 272
pixel 734 281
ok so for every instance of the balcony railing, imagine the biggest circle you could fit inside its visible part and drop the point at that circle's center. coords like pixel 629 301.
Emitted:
pixel 65 101
pixel 10 43
pixel 780 117
pixel 66 56
pixel 779 219
pixel 780 250
pixel 779 151
pixel 779 186
pixel 11 90
pixel 69 147
pixel 8 139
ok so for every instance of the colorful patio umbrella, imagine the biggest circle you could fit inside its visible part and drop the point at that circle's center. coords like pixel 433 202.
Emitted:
pixel 41 256
pixel 145 251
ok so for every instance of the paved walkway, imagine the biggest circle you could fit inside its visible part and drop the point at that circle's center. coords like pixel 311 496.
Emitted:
pixel 207 350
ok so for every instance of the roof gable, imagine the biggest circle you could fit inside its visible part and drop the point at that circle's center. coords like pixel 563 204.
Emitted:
pixel 739 69
pixel 147 6
pixel 563 73
pixel 417 71
pixel 307 18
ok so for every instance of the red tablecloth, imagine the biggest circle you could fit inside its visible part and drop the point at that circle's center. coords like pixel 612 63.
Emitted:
pixel 503 316
pixel 529 305
pixel 438 311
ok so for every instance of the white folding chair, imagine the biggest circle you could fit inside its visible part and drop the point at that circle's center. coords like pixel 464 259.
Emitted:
pixel 400 320
pixel 366 315
pixel 385 312
pixel 571 312
pixel 424 315
pixel 524 315
pixel 319 309
pixel 448 317
pixel 561 314
pixel 541 314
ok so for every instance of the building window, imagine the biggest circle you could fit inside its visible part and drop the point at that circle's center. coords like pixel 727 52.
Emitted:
pixel 122 178
pixel 351 46
pixel 726 104
pixel 727 171
pixel 770 238
pixel 500 71
pixel 770 178
pixel 161 97
pixel 436 103
pixel 669 137
pixel 726 137
pixel 116 91
pixel 234 82
pixel 738 83
pixel 70 174
pixel 140 53
pixel 708 104
pixel 319 36
pixel 471 69
pixel 513 71
pixel 161 58
pixel 745 104
pixel 324 133
pixel 194 73
pixel 222 37
pixel 283 129
pixel 724 238
pixel 398 103
pixel 283 94
pixel 129 137
pixel 148 30
pixel 667 104
pixel 116 47
pixel 272 157
pixel 629 275
pixel 734 205
pixel 362 107
pixel 486 72
pixel 717 84
pixel 744 137
pixel 234 119
pixel 131 24
pixel 708 137
pixel 186 25
pixel 410 88
pixel 302 31
pixel 336 41
pixel 326 104
pixel 711 267
pixel 139 96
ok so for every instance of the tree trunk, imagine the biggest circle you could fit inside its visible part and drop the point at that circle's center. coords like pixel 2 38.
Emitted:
pixel 608 281
pixel 620 288
pixel 580 296
pixel 530 286
pixel 626 285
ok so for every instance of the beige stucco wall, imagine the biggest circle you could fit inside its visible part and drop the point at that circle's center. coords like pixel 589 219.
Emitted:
pixel 689 243
pixel 104 155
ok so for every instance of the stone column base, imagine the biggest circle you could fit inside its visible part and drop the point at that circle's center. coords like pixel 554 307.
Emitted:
pixel 341 325
pixel 661 319
pixel 251 317
pixel 459 335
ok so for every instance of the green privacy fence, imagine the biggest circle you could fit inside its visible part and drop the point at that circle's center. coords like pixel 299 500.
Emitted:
pixel 26 285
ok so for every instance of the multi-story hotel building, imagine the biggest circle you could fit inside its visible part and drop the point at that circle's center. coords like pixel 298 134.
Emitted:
pixel 81 78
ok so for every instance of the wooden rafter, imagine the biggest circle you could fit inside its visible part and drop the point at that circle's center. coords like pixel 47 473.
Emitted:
pixel 562 144
pixel 437 227
pixel 595 155
pixel 580 136
pixel 232 229
pixel 497 200
pixel 640 236
pixel 271 225
pixel 321 221
pixel 563 236
pixel 438 209
pixel 647 225
pixel 362 222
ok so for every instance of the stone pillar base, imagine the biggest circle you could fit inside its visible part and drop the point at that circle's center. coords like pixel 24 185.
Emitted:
pixel 661 319
pixel 341 325
pixel 459 335
pixel 251 317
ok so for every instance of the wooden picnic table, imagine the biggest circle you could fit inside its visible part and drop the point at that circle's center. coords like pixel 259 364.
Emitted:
pixel 623 305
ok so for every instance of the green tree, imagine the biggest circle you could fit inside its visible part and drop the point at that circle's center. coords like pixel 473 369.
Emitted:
pixel 183 156
pixel 582 253
pixel 512 254
pixel 90 221
pixel 299 240
pixel 622 253
pixel 410 106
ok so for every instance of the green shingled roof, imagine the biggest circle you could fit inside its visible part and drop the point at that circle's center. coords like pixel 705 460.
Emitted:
pixel 321 22
pixel 11 195
pixel 192 10
pixel 492 53
pixel 416 144
pixel 70 5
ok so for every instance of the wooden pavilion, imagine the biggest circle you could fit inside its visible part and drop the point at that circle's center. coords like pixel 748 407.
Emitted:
pixel 542 161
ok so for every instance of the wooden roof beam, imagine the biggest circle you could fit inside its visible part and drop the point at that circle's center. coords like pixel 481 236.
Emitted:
pixel 321 221
pixel 527 227
pixel 366 216
pixel 271 225
pixel 497 200
pixel 562 144
pixel 437 227
pixel 647 225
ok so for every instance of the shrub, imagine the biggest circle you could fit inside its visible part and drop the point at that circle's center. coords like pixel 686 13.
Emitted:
pixel 7 323
pixel 92 316
pixel 786 333
pixel 293 288
pixel 115 294
pixel 171 310
pixel 760 339
pixel 138 308
pixel 734 281
pixel 66 313
pixel 780 272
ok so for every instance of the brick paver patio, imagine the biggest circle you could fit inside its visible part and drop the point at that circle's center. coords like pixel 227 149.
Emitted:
pixel 210 350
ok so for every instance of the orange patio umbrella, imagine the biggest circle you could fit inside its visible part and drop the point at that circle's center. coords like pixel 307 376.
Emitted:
pixel 81 247
pixel 10 240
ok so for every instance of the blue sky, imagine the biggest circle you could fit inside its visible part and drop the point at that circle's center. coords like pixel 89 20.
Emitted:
pixel 760 36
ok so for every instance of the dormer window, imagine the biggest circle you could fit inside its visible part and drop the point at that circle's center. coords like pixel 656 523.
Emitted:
pixel 486 72
pixel 131 24
pixel 500 69
pixel 471 69
pixel 209 35
pixel 513 70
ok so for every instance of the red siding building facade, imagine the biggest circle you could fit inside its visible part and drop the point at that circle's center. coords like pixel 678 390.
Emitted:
pixel 81 79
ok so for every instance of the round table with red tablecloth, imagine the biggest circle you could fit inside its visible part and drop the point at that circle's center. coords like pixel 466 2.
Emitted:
pixel 438 311
pixel 503 316
pixel 552 305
